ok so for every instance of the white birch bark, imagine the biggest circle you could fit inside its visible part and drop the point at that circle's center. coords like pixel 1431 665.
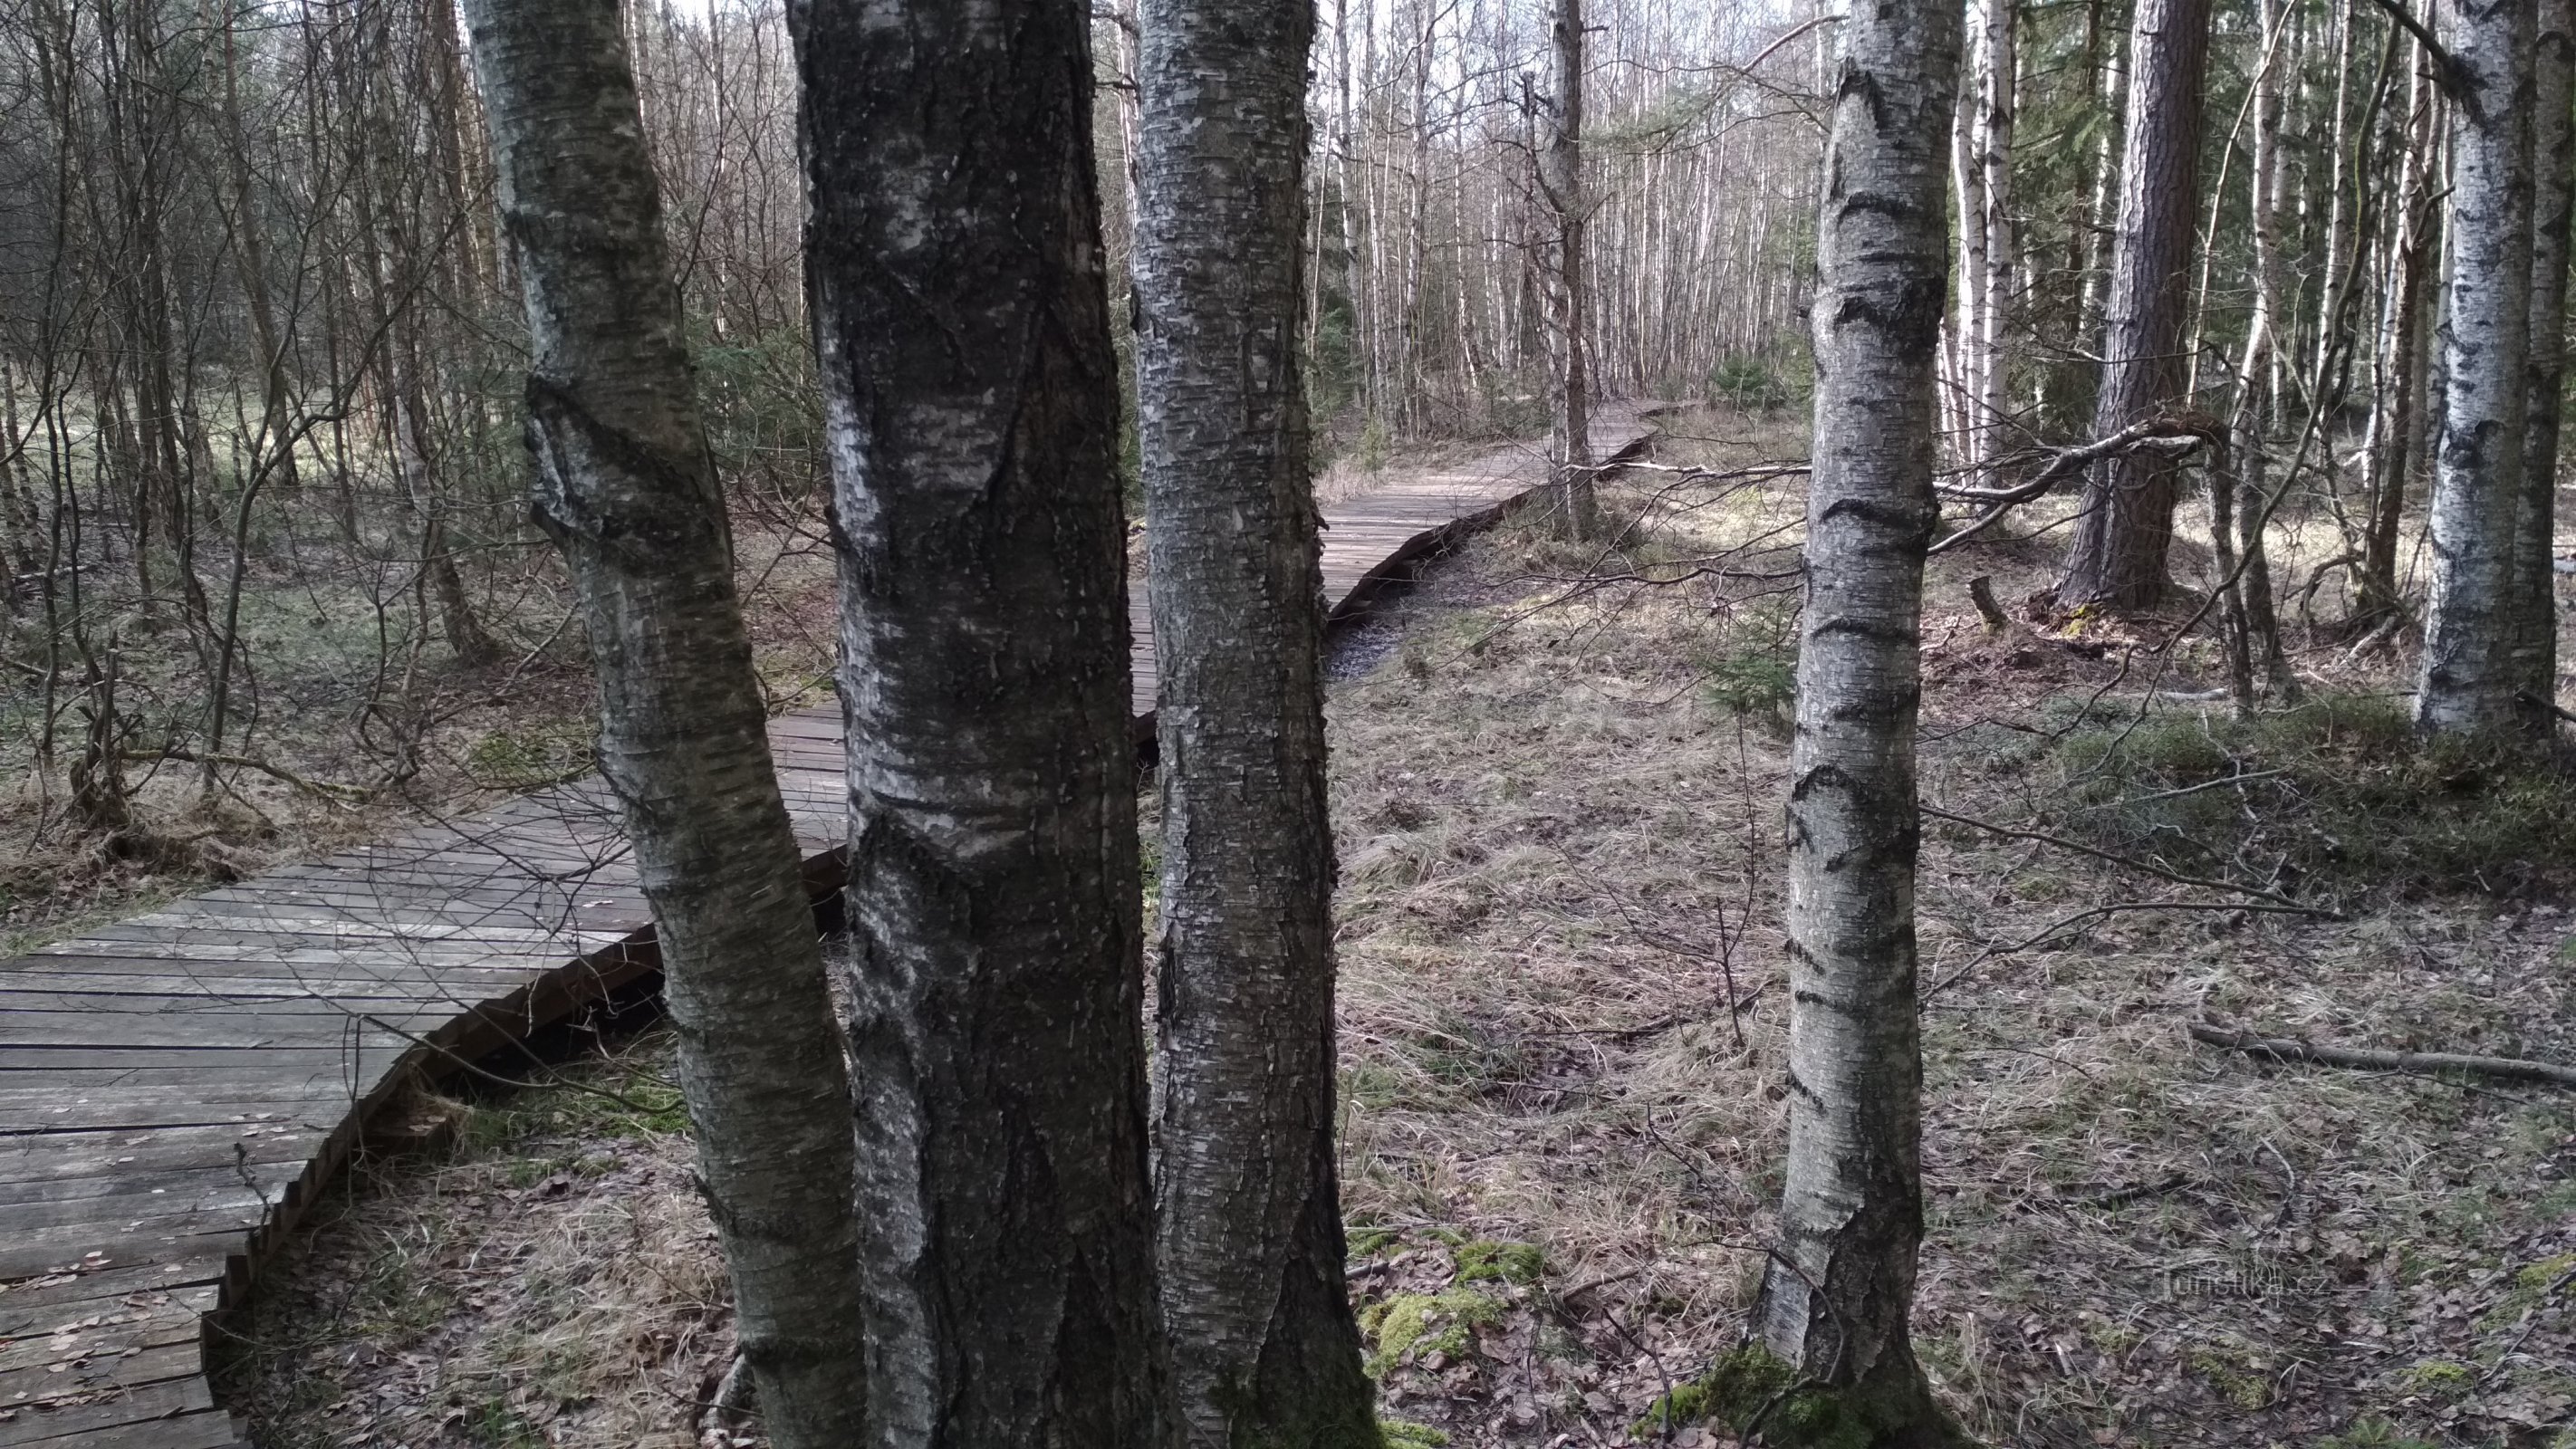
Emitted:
pixel 1836 1296
pixel 2468 680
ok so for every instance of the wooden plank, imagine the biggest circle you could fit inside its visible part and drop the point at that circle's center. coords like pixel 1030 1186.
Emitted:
pixel 99 1336
pixel 149 1242
pixel 112 1369
pixel 39 1303
pixel 118 1409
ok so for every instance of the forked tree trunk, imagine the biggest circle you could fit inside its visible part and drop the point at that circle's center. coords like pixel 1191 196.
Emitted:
pixel 2553 151
pixel 1838 1288
pixel 1264 1346
pixel 627 487
pixel 971 421
pixel 1561 179
pixel 2469 676
pixel 2117 559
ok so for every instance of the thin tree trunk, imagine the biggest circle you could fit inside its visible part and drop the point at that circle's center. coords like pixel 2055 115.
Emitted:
pixel 1838 1289
pixel 1264 1346
pixel 625 484
pixel 2249 595
pixel 971 422
pixel 1561 179
pixel 2397 419
pixel 2117 559
pixel 1999 59
pixel 2469 679
pixel 2533 589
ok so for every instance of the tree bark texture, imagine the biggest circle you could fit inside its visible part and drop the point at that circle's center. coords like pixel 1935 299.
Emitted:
pixel 1561 179
pixel 960 315
pixel 626 486
pixel 2117 559
pixel 1836 1294
pixel 1264 1347
pixel 2534 590
pixel 2469 678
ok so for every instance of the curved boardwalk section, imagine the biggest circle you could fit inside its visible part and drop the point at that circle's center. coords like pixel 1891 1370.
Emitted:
pixel 176 1088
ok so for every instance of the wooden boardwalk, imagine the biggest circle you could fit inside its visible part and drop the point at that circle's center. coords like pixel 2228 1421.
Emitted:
pixel 177 1088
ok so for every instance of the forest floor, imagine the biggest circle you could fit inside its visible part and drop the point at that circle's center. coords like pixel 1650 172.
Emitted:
pixel 1557 775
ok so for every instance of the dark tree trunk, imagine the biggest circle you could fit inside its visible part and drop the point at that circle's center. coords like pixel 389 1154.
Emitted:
pixel 2397 416
pixel 1838 1288
pixel 1264 1347
pixel 2117 559
pixel 2533 589
pixel 971 420
pixel 1569 298
pixel 627 487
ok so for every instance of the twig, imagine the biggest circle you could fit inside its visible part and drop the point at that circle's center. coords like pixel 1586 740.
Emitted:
pixel 2291 1049
pixel 2132 863
pixel 2446 66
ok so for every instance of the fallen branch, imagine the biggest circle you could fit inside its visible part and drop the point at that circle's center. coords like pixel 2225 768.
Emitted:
pixel 2291 1049
pixel 344 794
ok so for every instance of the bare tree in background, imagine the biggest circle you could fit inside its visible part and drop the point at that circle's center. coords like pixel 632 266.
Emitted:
pixel 2469 680
pixel 1264 1346
pixel 2117 558
pixel 1560 178
pixel 960 317
pixel 1839 1286
pixel 626 486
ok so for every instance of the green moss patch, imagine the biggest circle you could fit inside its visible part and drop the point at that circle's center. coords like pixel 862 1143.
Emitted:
pixel 1754 1388
pixel 1422 1324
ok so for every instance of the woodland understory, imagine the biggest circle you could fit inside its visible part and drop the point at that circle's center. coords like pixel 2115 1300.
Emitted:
pixel 1555 782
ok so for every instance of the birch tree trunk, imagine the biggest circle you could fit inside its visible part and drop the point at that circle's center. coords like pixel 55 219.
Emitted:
pixel 2117 559
pixel 1838 1288
pixel 1561 178
pixel 2469 676
pixel 2248 595
pixel 1999 59
pixel 2553 150
pixel 627 487
pixel 1264 1346
pixel 971 423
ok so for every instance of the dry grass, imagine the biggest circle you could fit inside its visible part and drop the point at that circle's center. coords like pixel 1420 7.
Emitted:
pixel 551 1280
pixel 1563 1015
